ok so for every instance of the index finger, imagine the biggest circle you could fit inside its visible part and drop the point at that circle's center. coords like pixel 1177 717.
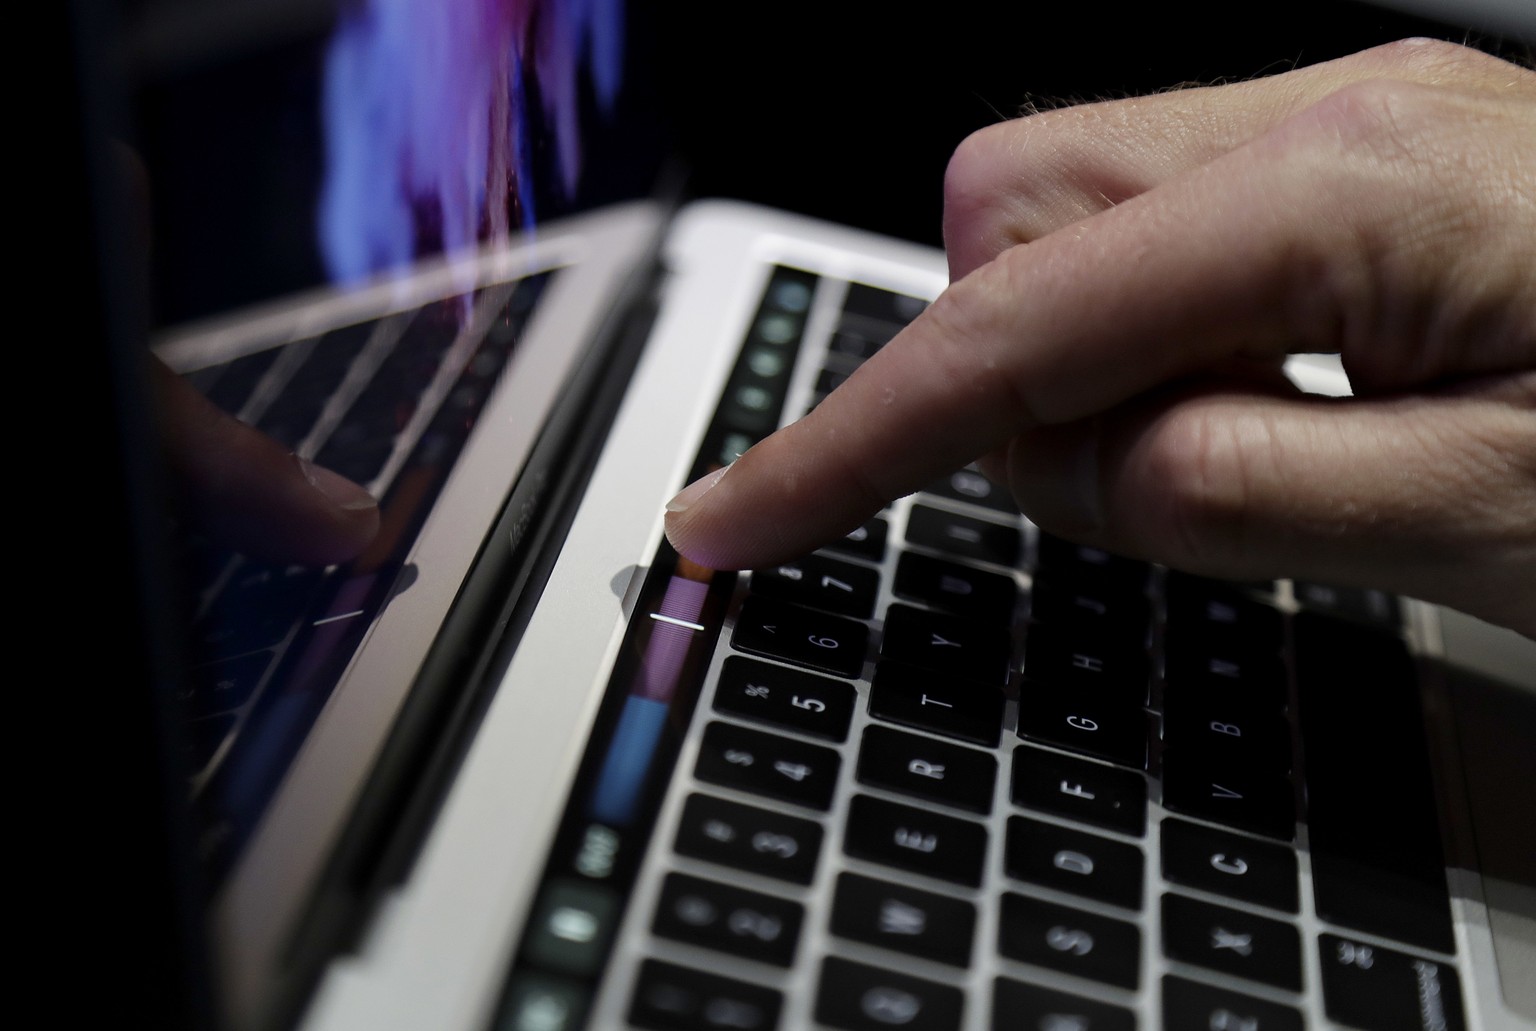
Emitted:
pixel 1248 254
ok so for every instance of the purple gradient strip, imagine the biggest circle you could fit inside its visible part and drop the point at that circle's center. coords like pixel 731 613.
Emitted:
pixel 667 649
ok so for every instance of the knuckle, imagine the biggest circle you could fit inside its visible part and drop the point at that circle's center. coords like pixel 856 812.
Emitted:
pixel 973 168
pixel 1196 471
pixel 1426 55
pixel 1018 181
pixel 988 201
pixel 1427 245
pixel 1374 114
pixel 1439 62
pixel 1496 453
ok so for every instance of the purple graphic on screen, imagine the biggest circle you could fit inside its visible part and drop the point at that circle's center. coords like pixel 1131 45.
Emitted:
pixel 427 122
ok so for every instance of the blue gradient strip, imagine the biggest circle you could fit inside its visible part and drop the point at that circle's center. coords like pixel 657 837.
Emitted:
pixel 629 758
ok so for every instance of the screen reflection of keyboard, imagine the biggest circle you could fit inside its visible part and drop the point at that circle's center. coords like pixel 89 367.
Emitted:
pixel 388 403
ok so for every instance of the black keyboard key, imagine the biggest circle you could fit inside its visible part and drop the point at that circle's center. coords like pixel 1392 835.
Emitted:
pixel 258 608
pixel 729 919
pixel 1190 1004
pixel 1074 563
pixel 855 997
pixel 1018 1005
pixel 800 636
pixel 355 456
pixel 855 348
pixel 866 542
pixel 1074 861
pixel 330 361
pixel 545 1002
pixel 915 840
pixel 748 838
pixel 904 919
pixel 1207 610
pixel 964 536
pixel 1088 945
pixel 925 768
pixel 1229 864
pixel 1081 721
pixel 292 414
pixel 673 998
pixel 571 927
pixel 783 697
pixel 1232 942
pixel 945 705
pixel 224 686
pixel 1377 989
pixel 885 306
pixel 963 590
pixel 1378 608
pixel 1244 796
pixel 1093 606
pixel 767 764
pixel 821 583
pixel 1216 668
pixel 790 291
pixel 1079 660
pixel 948 644
pixel 829 380
pixel 1377 864
pixel 1105 796
pixel 971 486
pixel 1244 681
pixel 1226 730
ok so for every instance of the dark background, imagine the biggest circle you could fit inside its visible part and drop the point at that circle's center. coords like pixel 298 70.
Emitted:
pixel 855 122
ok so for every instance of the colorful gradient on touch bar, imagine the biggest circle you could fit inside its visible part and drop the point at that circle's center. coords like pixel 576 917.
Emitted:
pixel 676 629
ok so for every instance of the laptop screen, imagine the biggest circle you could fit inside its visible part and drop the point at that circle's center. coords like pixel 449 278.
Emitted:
pixel 345 220
pixel 286 145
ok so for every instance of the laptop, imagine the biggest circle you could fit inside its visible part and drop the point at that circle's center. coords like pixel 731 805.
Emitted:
pixel 520 766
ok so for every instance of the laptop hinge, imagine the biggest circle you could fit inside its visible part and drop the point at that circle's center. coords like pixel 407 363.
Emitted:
pixel 450 696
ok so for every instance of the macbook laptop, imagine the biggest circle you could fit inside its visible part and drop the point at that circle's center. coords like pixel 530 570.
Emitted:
pixel 520 766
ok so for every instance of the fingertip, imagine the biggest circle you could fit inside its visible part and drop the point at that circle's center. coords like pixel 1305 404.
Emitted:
pixel 341 520
pixel 767 510
pixel 316 517
pixel 1054 472
pixel 681 520
pixel 695 491
pixel 719 531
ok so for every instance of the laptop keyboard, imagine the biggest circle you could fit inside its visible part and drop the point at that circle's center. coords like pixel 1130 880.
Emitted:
pixel 954 772
pixel 388 403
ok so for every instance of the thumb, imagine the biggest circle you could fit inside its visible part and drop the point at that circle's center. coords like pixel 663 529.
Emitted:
pixel 1431 495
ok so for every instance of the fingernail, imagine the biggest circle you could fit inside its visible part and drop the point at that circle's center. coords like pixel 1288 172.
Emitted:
pixel 338 490
pixel 690 495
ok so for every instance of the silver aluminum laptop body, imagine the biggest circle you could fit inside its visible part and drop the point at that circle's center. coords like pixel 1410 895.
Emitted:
pixel 593 259
pixel 438 950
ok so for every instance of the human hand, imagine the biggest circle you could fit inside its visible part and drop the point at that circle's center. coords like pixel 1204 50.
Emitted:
pixel 248 492
pixel 1127 278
